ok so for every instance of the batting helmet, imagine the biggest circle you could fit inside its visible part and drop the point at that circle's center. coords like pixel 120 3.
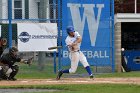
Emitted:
pixel 70 29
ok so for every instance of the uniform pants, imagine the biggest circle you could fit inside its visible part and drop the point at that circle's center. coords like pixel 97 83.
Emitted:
pixel 75 57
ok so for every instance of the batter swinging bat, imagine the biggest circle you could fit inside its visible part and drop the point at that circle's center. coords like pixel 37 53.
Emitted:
pixel 55 47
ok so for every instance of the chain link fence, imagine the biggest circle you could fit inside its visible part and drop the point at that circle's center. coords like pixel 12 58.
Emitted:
pixel 37 11
pixel 29 11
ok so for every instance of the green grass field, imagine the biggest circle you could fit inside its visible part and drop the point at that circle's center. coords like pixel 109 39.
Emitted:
pixel 48 72
pixel 27 72
pixel 82 88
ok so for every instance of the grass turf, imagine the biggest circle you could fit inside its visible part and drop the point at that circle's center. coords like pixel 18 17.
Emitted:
pixel 82 88
pixel 26 72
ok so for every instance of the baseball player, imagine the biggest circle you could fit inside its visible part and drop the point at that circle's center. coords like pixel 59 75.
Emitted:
pixel 73 41
pixel 3 42
pixel 8 69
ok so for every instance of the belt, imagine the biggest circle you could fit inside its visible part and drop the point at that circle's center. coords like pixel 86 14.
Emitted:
pixel 75 51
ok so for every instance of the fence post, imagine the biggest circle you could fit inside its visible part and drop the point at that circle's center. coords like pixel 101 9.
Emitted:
pixel 10 22
pixel 59 37
pixel 54 62
pixel 113 54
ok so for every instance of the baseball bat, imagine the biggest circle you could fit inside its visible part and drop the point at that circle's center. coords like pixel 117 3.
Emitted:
pixel 55 47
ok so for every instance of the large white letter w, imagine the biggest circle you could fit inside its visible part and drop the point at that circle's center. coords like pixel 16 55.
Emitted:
pixel 88 14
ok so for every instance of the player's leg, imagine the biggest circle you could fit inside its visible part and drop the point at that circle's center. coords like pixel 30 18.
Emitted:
pixel 8 72
pixel 15 69
pixel 2 73
pixel 74 57
pixel 84 62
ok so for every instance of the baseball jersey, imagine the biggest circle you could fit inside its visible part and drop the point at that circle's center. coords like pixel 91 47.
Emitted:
pixel 69 40
pixel 7 59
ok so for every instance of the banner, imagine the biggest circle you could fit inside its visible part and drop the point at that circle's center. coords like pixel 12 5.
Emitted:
pixel 92 19
pixel 36 36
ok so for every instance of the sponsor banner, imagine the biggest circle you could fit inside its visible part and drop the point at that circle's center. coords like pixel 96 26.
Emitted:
pixel 37 36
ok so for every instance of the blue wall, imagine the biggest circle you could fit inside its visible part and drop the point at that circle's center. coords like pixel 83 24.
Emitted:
pixel 93 20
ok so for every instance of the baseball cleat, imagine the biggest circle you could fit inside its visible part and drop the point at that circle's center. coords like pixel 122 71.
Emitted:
pixel 91 77
pixel 59 75
pixel 12 79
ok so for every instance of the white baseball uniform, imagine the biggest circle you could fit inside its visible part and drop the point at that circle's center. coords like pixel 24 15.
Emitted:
pixel 75 54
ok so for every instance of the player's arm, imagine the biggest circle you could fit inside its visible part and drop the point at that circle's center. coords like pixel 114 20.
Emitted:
pixel 78 40
pixel 27 61
pixel 23 61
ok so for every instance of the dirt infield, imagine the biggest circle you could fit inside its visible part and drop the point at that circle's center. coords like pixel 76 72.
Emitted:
pixel 71 81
